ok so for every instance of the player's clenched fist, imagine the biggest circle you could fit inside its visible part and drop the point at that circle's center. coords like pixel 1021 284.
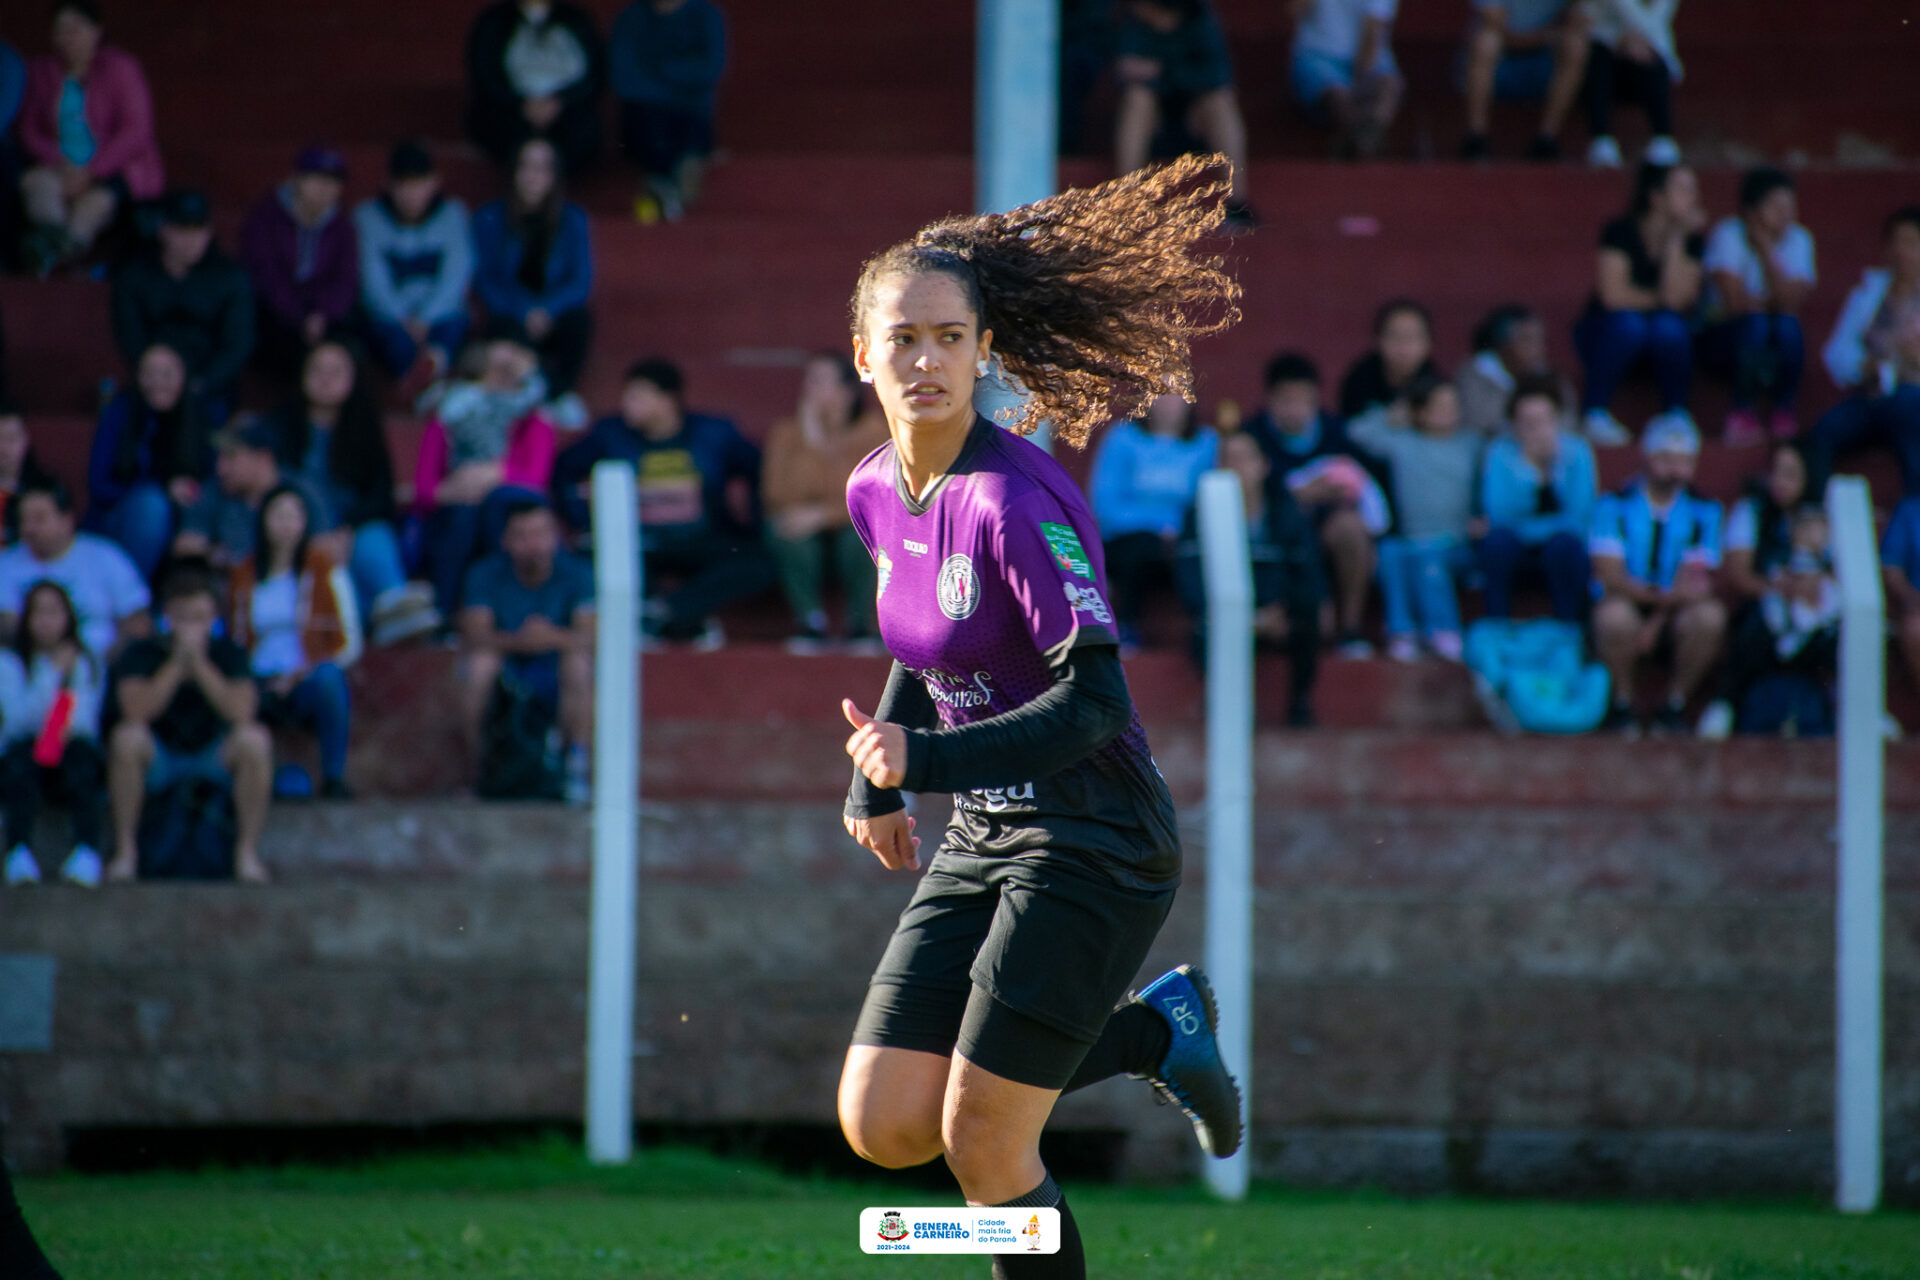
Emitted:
pixel 879 749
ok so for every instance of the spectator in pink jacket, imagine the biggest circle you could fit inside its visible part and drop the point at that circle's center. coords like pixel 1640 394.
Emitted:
pixel 303 256
pixel 487 445
pixel 86 124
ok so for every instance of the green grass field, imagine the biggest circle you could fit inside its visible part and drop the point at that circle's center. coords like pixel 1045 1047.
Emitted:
pixel 541 1212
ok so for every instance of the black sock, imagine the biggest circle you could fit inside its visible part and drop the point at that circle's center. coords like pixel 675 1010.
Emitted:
pixel 1135 1040
pixel 19 1255
pixel 1068 1264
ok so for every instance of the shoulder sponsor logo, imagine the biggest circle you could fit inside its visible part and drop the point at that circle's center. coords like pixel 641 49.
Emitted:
pixel 959 587
pixel 1088 600
pixel 1066 548
pixel 883 571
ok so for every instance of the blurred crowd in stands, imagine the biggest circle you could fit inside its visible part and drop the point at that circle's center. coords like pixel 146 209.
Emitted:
pixel 241 539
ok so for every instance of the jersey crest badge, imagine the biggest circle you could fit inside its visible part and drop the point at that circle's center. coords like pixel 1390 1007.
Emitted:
pixel 959 587
pixel 1066 548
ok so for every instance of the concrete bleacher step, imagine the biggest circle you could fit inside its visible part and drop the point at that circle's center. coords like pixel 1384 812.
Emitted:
pixel 761 272
pixel 774 721
pixel 878 78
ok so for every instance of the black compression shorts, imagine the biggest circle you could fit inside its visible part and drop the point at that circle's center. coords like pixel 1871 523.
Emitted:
pixel 1016 962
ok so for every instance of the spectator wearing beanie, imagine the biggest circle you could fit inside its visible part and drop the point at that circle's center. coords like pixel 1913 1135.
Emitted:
pixel 301 255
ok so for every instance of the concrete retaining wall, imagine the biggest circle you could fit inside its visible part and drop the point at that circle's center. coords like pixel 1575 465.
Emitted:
pixel 1510 997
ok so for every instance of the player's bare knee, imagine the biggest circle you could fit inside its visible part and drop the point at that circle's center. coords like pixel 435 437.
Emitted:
pixel 885 1141
pixel 977 1145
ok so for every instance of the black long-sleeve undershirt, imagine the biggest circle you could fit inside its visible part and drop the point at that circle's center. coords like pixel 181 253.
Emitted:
pixel 1085 708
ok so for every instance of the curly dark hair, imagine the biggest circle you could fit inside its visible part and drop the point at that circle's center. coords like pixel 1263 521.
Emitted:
pixel 1094 296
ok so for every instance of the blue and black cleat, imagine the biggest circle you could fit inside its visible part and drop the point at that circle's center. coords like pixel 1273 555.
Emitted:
pixel 1192 1076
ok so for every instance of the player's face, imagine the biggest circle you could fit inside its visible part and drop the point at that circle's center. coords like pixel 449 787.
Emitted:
pixel 921 346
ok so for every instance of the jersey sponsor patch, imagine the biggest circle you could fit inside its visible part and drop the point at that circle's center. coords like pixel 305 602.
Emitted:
pixel 1066 548
pixel 1088 600
pixel 883 573
pixel 959 587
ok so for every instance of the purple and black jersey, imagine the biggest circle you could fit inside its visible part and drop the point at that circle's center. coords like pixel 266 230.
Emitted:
pixel 983 588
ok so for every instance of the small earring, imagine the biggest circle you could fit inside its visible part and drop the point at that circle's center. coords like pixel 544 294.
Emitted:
pixel 980 368
pixel 866 376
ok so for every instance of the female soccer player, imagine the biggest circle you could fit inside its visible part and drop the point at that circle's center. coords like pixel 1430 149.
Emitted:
pixel 997 991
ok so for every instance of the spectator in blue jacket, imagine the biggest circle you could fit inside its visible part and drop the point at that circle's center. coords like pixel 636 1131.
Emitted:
pixel 533 261
pixel 151 452
pixel 416 264
pixel 1538 488
pixel 1144 478
pixel 1655 547
pixel 699 509
pixel 665 58
pixel 1900 565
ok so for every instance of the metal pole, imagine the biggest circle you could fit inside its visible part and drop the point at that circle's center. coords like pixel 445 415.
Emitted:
pixel 1228 569
pixel 616 789
pixel 1859 909
pixel 1016 103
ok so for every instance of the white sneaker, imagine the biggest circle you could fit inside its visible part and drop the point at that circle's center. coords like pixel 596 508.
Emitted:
pixel 711 637
pixel 1403 648
pixel 1447 645
pixel 82 867
pixel 1663 151
pixel 1604 431
pixel 1604 153
pixel 1716 722
pixel 21 868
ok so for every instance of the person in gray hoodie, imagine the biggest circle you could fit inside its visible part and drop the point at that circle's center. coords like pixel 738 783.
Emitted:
pixel 1433 466
pixel 416 264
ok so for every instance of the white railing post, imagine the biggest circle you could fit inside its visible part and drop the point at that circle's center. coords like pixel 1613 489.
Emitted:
pixel 1016 103
pixel 1859 899
pixel 1228 571
pixel 616 816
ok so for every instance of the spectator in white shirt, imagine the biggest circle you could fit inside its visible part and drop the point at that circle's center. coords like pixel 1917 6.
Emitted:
pixel 1344 72
pixel 1759 267
pixel 106 590
pixel 1632 56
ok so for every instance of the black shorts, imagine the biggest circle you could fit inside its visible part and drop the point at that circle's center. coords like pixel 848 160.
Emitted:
pixel 1016 962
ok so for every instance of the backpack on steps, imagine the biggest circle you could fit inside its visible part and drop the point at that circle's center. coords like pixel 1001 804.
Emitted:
pixel 1534 677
